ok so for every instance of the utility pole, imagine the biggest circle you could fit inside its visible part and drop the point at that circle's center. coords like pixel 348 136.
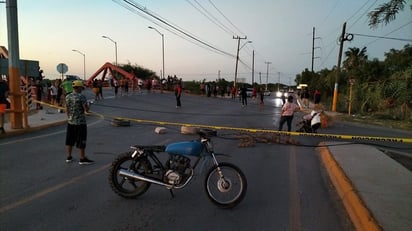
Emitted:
pixel 279 80
pixel 267 73
pixel 16 115
pixel 253 67
pixel 163 51
pixel 237 56
pixel 342 39
pixel 313 47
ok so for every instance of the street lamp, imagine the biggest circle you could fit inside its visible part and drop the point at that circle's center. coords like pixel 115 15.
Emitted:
pixel 84 62
pixel 115 46
pixel 245 44
pixel 267 73
pixel 163 50
pixel 237 56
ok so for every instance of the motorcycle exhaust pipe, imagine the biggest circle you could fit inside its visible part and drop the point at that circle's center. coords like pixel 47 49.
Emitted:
pixel 136 176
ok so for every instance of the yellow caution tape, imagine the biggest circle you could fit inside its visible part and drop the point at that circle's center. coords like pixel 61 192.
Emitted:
pixel 254 130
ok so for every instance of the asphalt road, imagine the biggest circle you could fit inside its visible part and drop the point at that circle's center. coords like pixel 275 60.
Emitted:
pixel 286 186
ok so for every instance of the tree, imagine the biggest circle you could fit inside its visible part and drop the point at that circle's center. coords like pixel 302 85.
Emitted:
pixel 386 12
pixel 398 60
pixel 355 58
pixel 139 71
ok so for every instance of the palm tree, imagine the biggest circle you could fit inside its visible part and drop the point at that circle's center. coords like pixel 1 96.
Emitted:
pixel 355 57
pixel 386 12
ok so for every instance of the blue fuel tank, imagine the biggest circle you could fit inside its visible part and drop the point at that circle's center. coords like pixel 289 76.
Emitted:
pixel 187 148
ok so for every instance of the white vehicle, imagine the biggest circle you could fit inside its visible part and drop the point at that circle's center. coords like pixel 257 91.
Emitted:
pixel 280 93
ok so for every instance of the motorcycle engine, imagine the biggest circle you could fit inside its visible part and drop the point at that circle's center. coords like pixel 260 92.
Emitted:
pixel 177 166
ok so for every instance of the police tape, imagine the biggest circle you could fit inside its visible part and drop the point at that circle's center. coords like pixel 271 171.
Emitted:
pixel 255 130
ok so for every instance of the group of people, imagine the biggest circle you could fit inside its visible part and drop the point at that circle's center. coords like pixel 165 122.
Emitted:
pixel 55 93
pixel 77 105
pixel 304 95
pixel 289 108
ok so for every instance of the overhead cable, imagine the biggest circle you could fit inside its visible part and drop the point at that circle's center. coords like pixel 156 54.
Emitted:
pixel 181 31
pixel 210 17
pixel 227 19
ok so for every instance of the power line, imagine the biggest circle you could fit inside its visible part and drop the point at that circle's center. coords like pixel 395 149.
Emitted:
pixel 210 17
pixel 393 31
pixel 330 12
pixel 227 19
pixel 353 15
pixel 383 37
pixel 366 11
pixel 176 28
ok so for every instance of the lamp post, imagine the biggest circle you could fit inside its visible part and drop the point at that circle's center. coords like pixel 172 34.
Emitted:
pixel 237 55
pixel 84 62
pixel 115 46
pixel 163 51
pixel 267 73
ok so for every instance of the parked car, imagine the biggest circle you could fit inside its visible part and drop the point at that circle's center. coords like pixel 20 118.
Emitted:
pixel 72 77
pixel 266 93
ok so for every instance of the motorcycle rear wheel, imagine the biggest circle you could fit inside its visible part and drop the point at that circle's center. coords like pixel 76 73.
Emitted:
pixel 226 190
pixel 124 186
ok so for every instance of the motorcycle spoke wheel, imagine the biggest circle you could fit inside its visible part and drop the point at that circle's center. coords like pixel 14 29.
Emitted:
pixel 125 186
pixel 225 187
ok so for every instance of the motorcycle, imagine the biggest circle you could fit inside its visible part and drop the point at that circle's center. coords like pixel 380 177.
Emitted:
pixel 133 172
pixel 310 123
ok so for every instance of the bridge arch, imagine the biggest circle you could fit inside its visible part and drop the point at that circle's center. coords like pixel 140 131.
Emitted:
pixel 109 68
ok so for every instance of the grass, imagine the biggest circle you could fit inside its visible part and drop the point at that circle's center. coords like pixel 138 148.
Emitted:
pixel 378 121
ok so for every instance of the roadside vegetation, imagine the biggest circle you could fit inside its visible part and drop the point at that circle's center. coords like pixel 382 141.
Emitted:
pixel 379 91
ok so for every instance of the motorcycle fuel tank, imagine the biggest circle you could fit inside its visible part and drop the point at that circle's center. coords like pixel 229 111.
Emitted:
pixel 191 148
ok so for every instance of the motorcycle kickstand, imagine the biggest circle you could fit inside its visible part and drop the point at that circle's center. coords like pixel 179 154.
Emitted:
pixel 171 193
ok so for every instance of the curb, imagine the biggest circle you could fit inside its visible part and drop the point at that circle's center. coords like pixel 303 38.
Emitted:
pixel 359 214
pixel 16 132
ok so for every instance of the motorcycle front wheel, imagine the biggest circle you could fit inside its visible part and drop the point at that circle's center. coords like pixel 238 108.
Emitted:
pixel 225 185
pixel 125 186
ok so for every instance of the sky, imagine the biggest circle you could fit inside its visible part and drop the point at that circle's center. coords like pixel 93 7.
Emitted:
pixel 280 32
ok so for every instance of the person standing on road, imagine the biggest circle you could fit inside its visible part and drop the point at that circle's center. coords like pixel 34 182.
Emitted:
pixel 59 92
pixel 4 90
pixel 243 95
pixel 288 110
pixel 178 94
pixel 305 97
pixel 254 94
pixel 233 92
pixel 100 86
pixel 283 97
pixel 76 134
pixel 53 94
pixel 261 96
pixel 96 89
pixel 316 96
pixel 116 87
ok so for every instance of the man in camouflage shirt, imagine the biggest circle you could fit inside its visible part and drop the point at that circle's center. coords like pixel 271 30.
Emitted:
pixel 76 134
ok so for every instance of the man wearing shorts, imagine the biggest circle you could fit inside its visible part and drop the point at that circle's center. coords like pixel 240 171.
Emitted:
pixel 76 134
